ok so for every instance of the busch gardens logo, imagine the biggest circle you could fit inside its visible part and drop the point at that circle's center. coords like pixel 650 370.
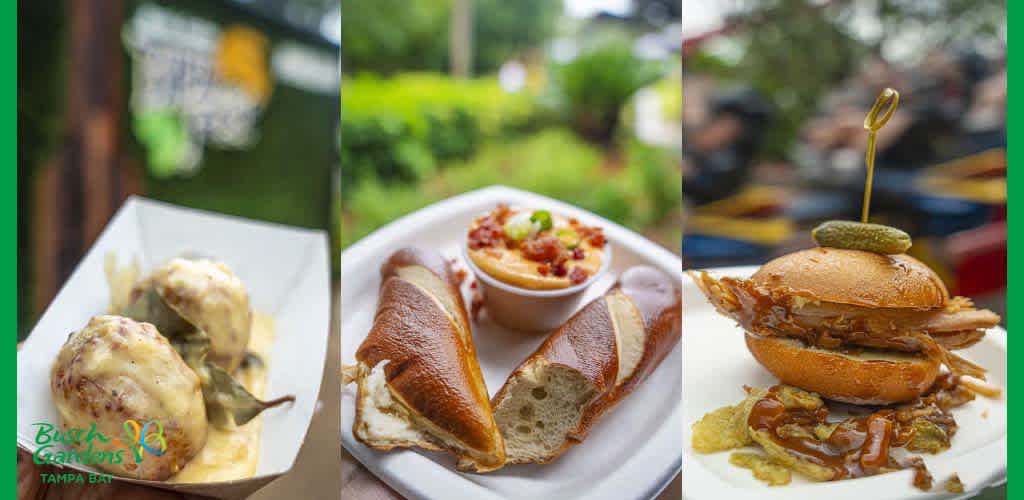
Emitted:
pixel 79 445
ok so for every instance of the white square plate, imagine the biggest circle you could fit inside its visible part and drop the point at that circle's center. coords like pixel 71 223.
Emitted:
pixel 716 366
pixel 631 454
pixel 286 272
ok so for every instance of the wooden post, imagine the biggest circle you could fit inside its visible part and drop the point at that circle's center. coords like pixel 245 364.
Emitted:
pixel 81 188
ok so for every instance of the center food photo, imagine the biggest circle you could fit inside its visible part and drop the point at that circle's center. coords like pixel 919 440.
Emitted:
pixel 511 301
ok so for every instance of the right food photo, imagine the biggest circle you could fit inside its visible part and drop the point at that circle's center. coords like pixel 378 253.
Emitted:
pixel 844 248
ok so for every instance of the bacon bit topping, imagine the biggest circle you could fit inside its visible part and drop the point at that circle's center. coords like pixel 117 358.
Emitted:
pixel 472 285
pixel 545 248
pixel 550 252
pixel 593 235
pixel 487 233
pixel 460 276
pixel 501 213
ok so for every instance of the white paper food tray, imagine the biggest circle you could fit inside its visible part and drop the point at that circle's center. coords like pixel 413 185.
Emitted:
pixel 284 269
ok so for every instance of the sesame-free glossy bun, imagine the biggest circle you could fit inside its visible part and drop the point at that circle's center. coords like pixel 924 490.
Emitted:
pixel 855 277
pixel 870 377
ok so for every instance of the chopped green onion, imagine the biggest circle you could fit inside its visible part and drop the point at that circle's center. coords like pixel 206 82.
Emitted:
pixel 543 217
pixel 568 237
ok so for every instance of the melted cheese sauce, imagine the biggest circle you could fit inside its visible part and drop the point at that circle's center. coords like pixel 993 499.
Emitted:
pixel 121 280
pixel 509 265
pixel 210 296
pixel 234 453
pixel 229 453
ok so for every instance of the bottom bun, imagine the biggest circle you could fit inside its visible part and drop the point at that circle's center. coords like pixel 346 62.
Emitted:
pixel 867 378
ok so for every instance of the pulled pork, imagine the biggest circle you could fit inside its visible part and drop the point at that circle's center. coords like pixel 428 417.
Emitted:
pixel 786 313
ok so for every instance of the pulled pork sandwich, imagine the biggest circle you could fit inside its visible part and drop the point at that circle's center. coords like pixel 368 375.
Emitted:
pixel 852 325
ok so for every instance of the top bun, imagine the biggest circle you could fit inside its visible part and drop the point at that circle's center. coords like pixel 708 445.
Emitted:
pixel 856 277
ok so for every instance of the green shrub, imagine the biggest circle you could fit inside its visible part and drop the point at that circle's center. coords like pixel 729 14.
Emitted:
pixel 401 128
pixel 592 89
pixel 640 190
pixel 399 35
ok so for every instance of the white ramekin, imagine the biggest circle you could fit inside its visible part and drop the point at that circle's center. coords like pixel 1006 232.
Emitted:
pixel 528 310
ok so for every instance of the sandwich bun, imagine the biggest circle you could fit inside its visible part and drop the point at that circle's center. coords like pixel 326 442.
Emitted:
pixel 855 277
pixel 867 378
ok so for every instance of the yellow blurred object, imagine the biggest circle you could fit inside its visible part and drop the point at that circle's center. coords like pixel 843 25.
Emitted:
pixel 979 178
pixel 763 231
pixel 991 191
pixel 749 200
pixel 242 60
pixel 984 163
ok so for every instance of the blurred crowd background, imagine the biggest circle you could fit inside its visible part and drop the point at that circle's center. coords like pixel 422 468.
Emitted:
pixel 775 95
pixel 576 99
pixel 223 105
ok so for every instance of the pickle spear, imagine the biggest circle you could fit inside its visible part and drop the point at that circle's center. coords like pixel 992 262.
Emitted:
pixel 861 236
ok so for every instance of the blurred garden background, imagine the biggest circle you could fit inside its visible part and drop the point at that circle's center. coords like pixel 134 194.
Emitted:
pixel 222 105
pixel 775 94
pixel 577 100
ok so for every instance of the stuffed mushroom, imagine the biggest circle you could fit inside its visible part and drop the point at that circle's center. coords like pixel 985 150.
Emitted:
pixel 124 381
pixel 208 295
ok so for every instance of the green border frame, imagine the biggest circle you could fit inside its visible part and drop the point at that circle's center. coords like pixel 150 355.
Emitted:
pixel 1014 269
pixel 9 253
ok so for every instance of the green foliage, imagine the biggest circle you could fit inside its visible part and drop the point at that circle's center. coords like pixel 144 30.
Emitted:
pixel 383 147
pixel 593 88
pixel 943 23
pixel 401 128
pixel 394 35
pixel 388 36
pixel 641 191
pixel 504 29
pixel 793 51
pixel 41 94
pixel 778 64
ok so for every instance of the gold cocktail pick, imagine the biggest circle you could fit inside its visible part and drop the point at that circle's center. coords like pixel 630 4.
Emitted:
pixel 873 123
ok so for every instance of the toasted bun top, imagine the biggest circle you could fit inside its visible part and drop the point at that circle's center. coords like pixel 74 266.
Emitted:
pixel 867 378
pixel 855 277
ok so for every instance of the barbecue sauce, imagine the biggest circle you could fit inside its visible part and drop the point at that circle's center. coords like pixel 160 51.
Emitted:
pixel 860 445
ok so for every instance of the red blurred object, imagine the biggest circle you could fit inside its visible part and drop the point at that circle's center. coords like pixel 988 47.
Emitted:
pixel 978 258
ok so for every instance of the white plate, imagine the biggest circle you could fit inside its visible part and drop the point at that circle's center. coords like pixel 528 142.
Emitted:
pixel 631 454
pixel 716 365
pixel 285 271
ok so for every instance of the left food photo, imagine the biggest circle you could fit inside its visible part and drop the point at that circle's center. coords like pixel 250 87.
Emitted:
pixel 175 167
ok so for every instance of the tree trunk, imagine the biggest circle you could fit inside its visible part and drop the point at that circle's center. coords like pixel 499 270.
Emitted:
pixel 460 40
